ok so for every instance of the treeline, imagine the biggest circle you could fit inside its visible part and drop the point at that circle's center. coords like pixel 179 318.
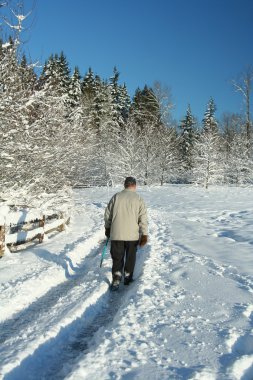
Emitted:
pixel 60 130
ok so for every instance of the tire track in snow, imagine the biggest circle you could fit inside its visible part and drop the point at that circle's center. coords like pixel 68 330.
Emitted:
pixel 42 319
pixel 36 308
pixel 54 358
pixel 142 320
pixel 40 280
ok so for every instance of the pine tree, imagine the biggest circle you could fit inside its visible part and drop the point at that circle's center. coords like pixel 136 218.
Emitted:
pixel 145 107
pixel 208 151
pixel 124 102
pixel 105 164
pixel 187 140
pixel 55 76
pixel 209 121
pixel 75 88
pixel 117 100
pixel 99 102
pixel 63 73
pixel 88 86
pixel 28 75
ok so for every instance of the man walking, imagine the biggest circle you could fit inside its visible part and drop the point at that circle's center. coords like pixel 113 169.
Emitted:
pixel 126 225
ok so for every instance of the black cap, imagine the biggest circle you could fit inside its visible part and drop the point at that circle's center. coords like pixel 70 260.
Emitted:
pixel 129 181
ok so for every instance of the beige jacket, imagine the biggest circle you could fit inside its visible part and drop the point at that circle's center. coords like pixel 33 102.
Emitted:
pixel 126 216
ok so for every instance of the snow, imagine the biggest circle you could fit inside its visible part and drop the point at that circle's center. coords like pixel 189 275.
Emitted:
pixel 6 45
pixel 187 315
pixel 4 210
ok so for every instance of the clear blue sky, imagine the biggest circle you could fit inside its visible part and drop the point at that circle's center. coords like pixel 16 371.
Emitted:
pixel 194 46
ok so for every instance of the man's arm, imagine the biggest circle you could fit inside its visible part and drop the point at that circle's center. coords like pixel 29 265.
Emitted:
pixel 143 218
pixel 109 213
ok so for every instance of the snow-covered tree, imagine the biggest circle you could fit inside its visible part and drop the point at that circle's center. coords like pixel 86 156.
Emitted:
pixel 238 162
pixel 208 151
pixel 124 102
pixel 28 76
pixel 55 75
pixel 187 140
pixel 239 166
pixel 14 140
pixel 164 101
pixel 167 160
pixel 209 122
pixel 58 130
pixel 244 85
pixel 74 91
pixel 145 107
pixel 130 150
pixel 91 97
pixel 120 99
pixel 105 163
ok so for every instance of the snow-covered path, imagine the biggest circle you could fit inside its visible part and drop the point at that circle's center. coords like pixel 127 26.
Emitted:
pixel 188 315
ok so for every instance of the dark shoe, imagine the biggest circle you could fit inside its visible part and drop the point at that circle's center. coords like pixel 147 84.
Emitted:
pixel 128 280
pixel 114 287
pixel 115 282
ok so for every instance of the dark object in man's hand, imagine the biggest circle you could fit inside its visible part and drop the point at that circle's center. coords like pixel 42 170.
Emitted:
pixel 143 240
pixel 107 232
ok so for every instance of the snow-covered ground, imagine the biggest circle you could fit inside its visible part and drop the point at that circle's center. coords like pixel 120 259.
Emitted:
pixel 188 315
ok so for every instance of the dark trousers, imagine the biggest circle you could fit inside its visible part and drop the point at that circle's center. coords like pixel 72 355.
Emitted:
pixel 123 255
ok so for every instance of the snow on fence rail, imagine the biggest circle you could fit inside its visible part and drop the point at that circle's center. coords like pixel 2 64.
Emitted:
pixel 24 226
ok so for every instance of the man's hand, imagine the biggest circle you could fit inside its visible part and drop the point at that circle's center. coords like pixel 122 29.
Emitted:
pixel 107 232
pixel 143 240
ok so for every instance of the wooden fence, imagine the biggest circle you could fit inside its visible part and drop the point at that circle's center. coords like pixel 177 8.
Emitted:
pixel 25 226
